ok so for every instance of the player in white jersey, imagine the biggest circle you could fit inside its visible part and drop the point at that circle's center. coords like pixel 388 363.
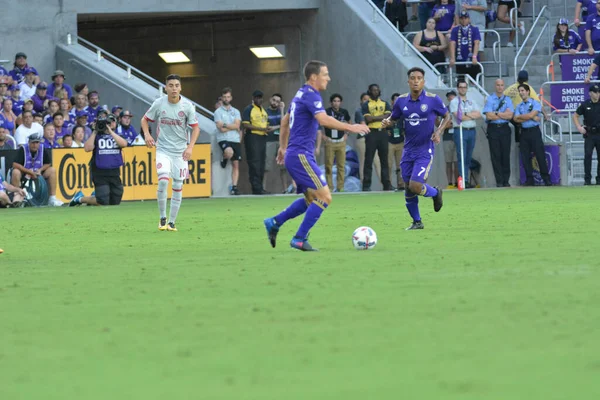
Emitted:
pixel 172 115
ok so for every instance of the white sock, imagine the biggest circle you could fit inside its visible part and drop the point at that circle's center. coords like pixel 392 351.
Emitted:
pixel 161 195
pixel 176 200
pixel 52 198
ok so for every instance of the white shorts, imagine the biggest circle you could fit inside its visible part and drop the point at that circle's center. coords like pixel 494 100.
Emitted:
pixel 173 166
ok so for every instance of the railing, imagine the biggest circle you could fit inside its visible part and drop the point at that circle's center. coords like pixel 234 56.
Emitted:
pixel 550 67
pixel 134 72
pixel 407 45
pixel 473 83
pixel 571 142
pixel 479 77
pixel 542 12
pixel 550 83
pixel 513 17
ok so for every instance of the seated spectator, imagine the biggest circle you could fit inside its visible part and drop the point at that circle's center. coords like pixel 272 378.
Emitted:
pixel 27 106
pixel 4 88
pixel 21 69
pixel 67 141
pixel 59 125
pixel 116 111
pixel 39 118
pixel 33 160
pixel 80 88
pixel 50 141
pixel 124 128
pixel 464 46
pixel 65 110
pixel 15 93
pixel 93 106
pixel 80 105
pixel 5 188
pixel 443 14
pixel 28 85
pixel 41 99
pixel 53 108
pixel 8 117
pixel 432 44
pixel 27 128
pixel 6 143
pixel 81 120
pixel 4 73
pixel 58 82
pixel 565 39
pixel 78 134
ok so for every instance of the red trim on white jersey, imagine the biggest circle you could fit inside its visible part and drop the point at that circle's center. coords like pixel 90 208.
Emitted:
pixel 148 119
pixel 196 124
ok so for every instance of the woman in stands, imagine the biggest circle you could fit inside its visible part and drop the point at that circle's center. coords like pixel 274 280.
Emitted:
pixel 504 7
pixel 78 134
pixel 65 109
pixel 566 40
pixel 443 14
pixel 8 116
pixel 52 109
pixel 432 44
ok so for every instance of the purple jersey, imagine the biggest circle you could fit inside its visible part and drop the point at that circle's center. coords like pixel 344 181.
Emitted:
pixel 463 43
pixel 447 12
pixel 587 6
pixel 303 125
pixel 419 120
pixel 573 40
pixel 593 24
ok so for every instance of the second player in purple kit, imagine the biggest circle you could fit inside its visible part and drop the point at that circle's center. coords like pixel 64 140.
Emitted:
pixel 419 111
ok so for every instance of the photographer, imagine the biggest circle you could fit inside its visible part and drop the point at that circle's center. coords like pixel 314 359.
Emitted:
pixel 105 164
pixel 590 110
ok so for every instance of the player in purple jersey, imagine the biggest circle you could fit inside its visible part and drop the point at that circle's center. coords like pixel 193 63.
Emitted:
pixel 419 111
pixel 300 126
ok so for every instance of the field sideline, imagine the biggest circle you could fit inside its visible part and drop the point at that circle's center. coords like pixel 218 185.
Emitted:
pixel 496 299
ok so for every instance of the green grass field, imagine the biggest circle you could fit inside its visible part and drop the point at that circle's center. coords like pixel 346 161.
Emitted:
pixel 498 298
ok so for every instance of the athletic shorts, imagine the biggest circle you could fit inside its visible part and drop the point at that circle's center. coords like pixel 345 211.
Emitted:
pixel 305 172
pixel 449 150
pixel 509 4
pixel 173 166
pixel 416 167
pixel 236 147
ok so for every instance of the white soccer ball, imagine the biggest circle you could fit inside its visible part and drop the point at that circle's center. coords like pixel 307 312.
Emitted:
pixel 364 238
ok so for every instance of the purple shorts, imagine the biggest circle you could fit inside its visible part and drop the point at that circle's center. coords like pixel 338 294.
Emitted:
pixel 304 171
pixel 416 167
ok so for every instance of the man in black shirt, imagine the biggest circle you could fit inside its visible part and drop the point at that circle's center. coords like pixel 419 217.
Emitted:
pixel 590 110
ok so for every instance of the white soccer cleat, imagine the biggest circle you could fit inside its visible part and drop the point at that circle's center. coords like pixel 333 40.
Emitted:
pixel 55 203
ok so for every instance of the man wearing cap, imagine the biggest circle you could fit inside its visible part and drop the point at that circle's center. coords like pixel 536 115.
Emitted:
pixel 116 111
pixel 528 114
pixel 20 69
pixel 590 110
pixel 476 10
pixel 498 111
pixel 41 98
pixel 255 121
pixel 15 93
pixel 28 85
pixel 34 160
pixel 81 118
pixel 125 129
pixel 27 128
pixel 465 41
pixel 58 82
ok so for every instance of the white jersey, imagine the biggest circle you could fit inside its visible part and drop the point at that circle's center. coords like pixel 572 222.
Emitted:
pixel 172 121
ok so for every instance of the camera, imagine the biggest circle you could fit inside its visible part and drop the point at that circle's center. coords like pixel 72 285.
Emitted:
pixel 101 124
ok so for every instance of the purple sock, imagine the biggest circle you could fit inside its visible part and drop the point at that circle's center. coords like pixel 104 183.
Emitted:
pixel 412 205
pixel 313 213
pixel 298 207
pixel 428 191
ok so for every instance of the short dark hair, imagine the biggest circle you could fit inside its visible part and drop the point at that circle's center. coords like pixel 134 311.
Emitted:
pixel 27 112
pixel 93 92
pixel 415 69
pixel 67 135
pixel 313 67
pixel 461 80
pixel 79 87
pixel 363 94
pixel 57 114
pixel 278 95
pixel 371 86
pixel 395 95
pixel 75 128
pixel 334 96
pixel 525 86
pixel 172 77
pixel 225 91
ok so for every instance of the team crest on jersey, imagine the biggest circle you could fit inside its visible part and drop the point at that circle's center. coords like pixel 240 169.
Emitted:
pixel 423 107
pixel 318 104
pixel 181 114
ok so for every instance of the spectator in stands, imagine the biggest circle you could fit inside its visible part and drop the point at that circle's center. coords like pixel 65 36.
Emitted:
pixel 464 46
pixel 4 73
pixel 20 69
pixel 58 82
pixel 81 120
pixel 395 148
pixel 376 110
pixel 125 129
pixel 425 9
pixel 360 140
pixel 590 110
pixel 450 149
pixel 78 134
pixel 27 128
pixel 275 112
pixel 93 106
pixel 528 114
pixel 8 117
pixel 67 141
pixel 335 143
pixel 38 118
pixel 255 121
pixel 432 44
pixel 228 120
pixel 80 88
pixel 475 10
pixel 28 85
pixel 443 14
pixel 41 99
pixel 395 11
pixel 116 111
pixel 50 141
pixel 15 92
pixel 592 30
pixel 6 143
pixel 59 125
pixel 33 160
pixel 80 105
pixel 465 112
pixel 53 108
pixel 504 7
pixel 566 40
pixel 5 188
pixel 498 111
pixel 64 109
pixel 582 9
pixel 4 88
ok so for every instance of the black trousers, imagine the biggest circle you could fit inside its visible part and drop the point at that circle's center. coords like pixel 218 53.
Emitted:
pixel 591 142
pixel 377 140
pixel 256 154
pixel 499 140
pixel 108 187
pixel 470 69
pixel 531 141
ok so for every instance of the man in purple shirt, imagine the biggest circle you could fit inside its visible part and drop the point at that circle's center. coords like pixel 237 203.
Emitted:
pixel 93 106
pixel 20 65
pixel 419 111
pixel 40 98
pixel 58 82
pixel 464 46
pixel 592 31
pixel 300 125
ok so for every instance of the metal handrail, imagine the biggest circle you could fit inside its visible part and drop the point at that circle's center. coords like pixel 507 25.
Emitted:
pixel 480 75
pixel 131 70
pixel 378 12
pixel 534 45
pixel 473 83
pixel 550 83
pixel 560 134
pixel 564 54
pixel 542 11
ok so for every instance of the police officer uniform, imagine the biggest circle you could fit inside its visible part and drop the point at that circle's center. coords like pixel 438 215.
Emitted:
pixel 591 121
pixel 531 141
pixel 499 137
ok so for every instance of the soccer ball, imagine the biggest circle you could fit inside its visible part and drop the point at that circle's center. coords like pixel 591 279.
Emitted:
pixel 364 238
